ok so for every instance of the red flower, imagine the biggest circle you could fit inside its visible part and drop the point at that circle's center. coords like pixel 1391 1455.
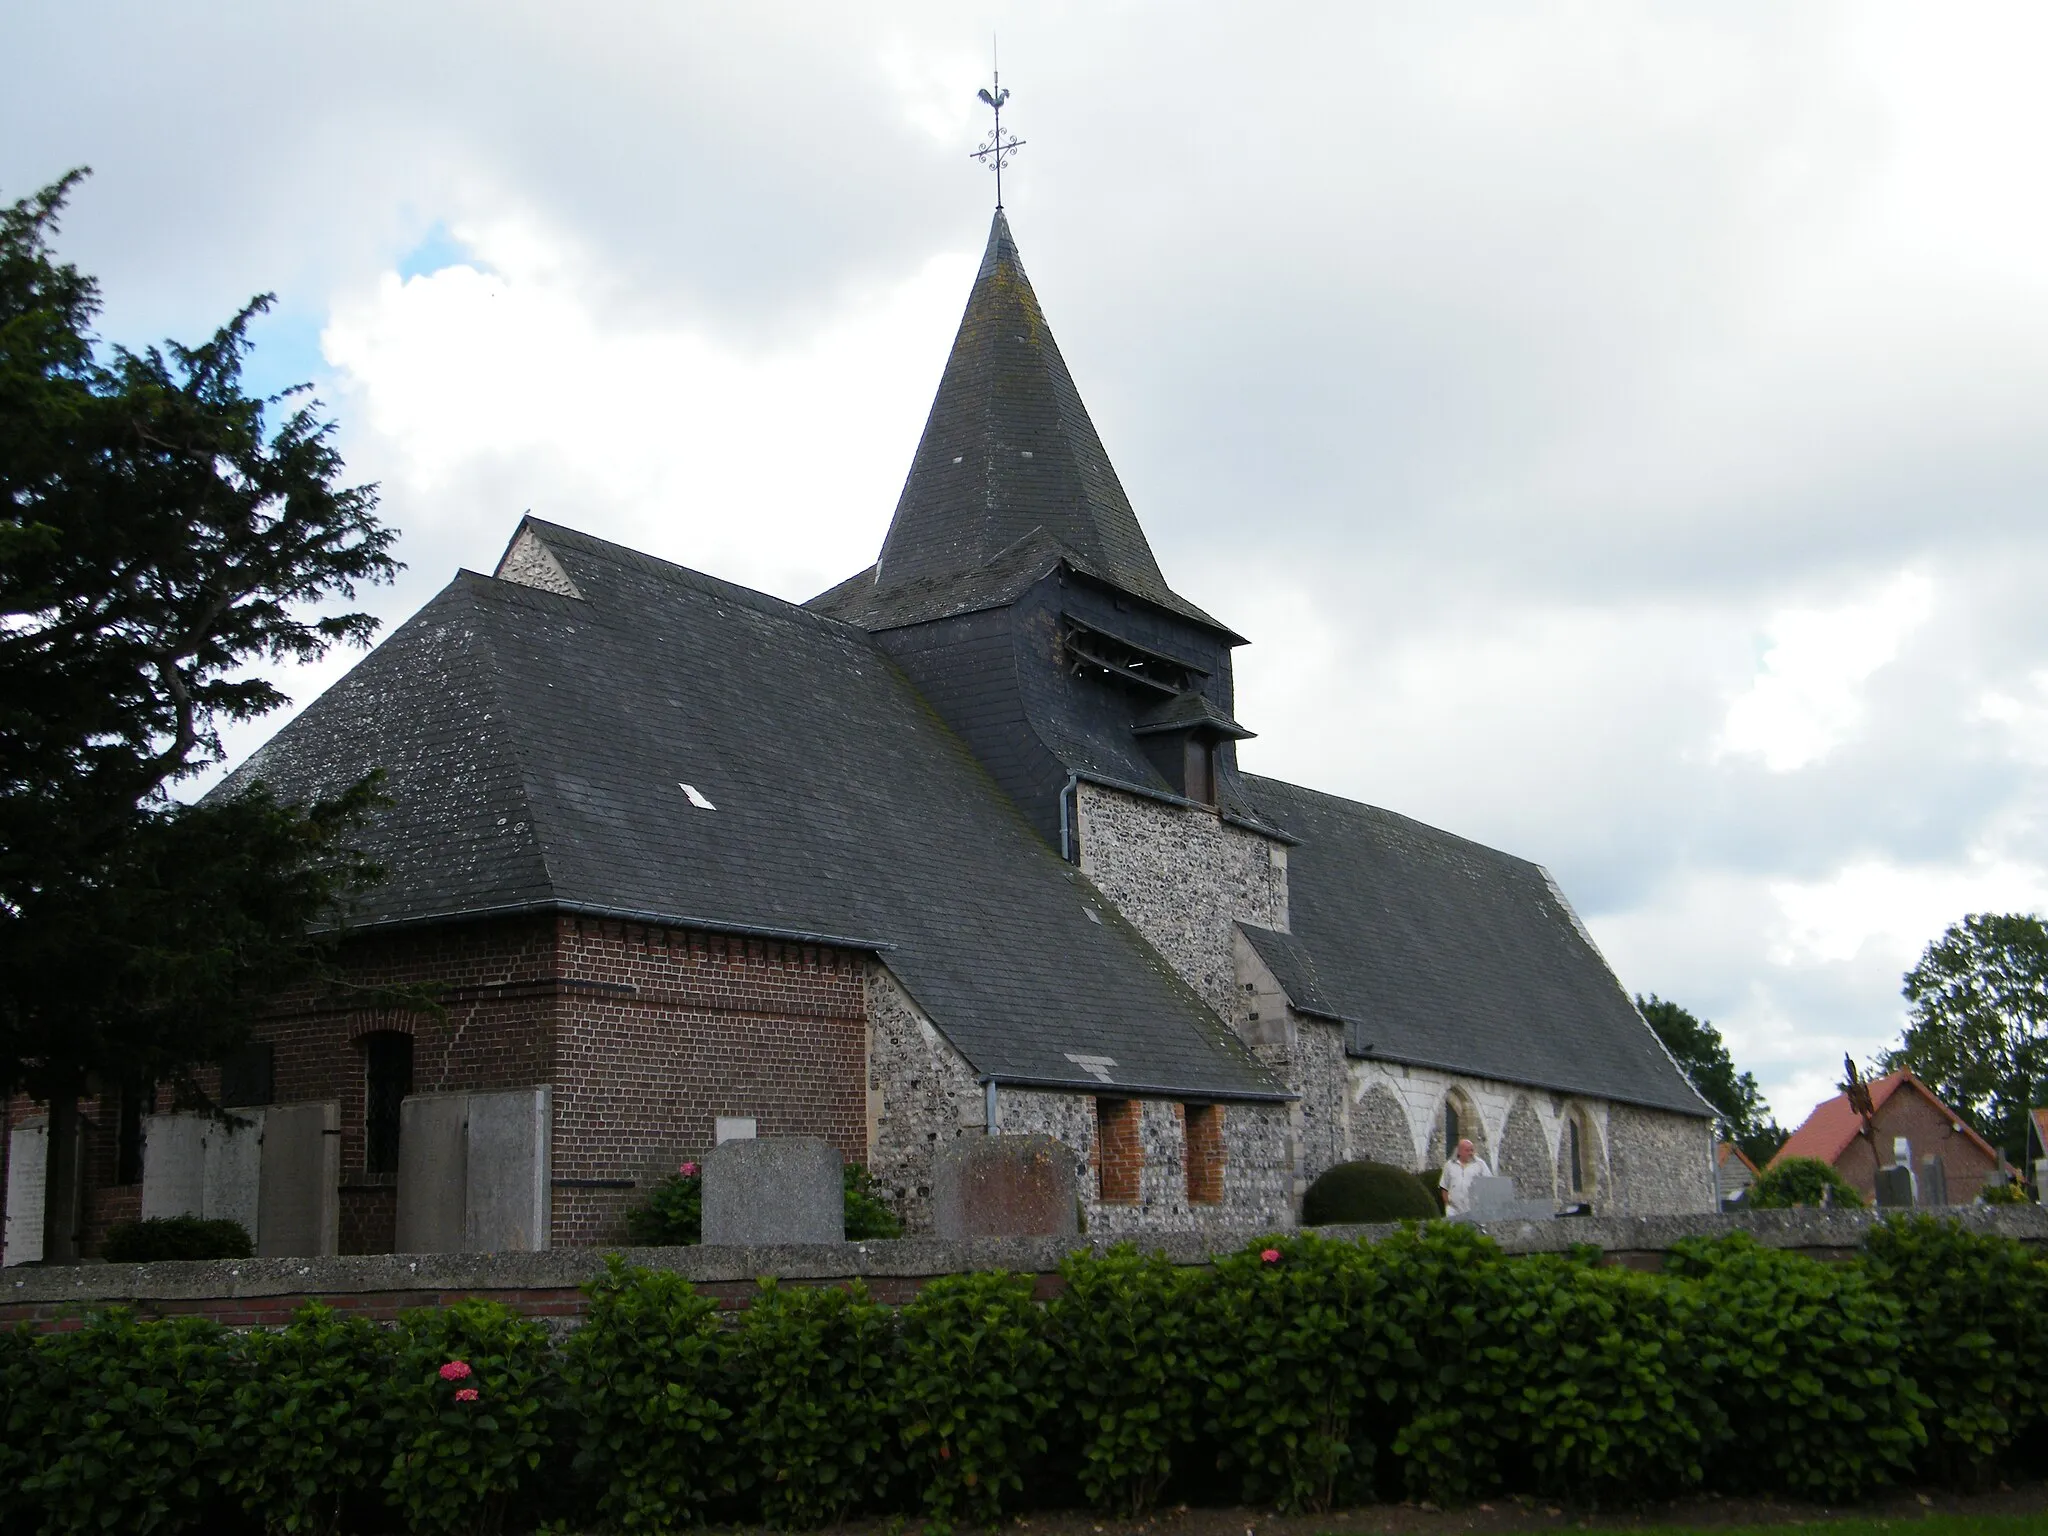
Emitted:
pixel 466 1395
pixel 945 1453
pixel 688 1170
pixel 455 1370
pixel 1271 1256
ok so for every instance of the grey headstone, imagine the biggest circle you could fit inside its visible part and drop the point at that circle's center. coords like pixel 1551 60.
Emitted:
pixel 1895 1187
pixel 1495 1199
pixel 28 1154
pixel 1933 1180
pixel 298 1202
pixel 778 1189
pixel 433 1172
pixel 506 1193
pixel 234 1171
pixel 1004 1186
pixel 173 1166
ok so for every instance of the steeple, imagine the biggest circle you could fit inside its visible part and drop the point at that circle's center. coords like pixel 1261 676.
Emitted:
pixel 1010 458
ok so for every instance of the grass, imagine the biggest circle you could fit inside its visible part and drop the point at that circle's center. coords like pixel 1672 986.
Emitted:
pixel 1890 1525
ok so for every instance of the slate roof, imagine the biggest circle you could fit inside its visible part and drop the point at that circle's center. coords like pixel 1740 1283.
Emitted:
pixel 1827 1132
pixel 1440 952
pixel 1010 470
pixel 537 744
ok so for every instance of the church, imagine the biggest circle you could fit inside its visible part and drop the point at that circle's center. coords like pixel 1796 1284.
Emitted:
pixel 959 847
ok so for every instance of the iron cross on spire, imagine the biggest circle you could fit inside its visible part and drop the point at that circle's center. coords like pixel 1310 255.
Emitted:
pixel 998 151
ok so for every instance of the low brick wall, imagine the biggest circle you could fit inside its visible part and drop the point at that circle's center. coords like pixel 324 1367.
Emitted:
pixel 262 1292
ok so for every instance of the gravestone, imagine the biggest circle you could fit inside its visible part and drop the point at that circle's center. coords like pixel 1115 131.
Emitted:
pixel 1004 1186
pixel 433 1172
pixel 1933 1180
pixel 1895 1187
pixel 1495 1199
pixel 196 1165
pixel 506 1206
pixel 173 1166
pixel 28 1151
pixel 298 1209
pixel 777 1189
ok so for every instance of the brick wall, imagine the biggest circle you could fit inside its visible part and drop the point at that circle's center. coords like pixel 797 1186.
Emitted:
pixel 660 1032
pixel 1205 1153
pixel 1910 1114
pixel 1119 1152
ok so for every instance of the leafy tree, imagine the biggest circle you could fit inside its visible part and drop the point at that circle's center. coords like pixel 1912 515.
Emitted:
pixel 1745 1118
pixel 1979 1029
pixel 158 533
pixel 1802 1181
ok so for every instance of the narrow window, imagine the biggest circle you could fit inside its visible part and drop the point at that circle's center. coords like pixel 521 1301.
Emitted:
pixel 1199 770
pixel 247 1075
pixel 1205 1154
pixel 1453 1133
pixel 1578 1159
pixel 387 1059
pixel 135 1102
pixel 1119 1151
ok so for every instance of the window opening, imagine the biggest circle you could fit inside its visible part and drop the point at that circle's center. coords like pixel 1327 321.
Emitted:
pixel 1453 1131
pixel 387 1082
pixel 135 1102
pixel 1205 1153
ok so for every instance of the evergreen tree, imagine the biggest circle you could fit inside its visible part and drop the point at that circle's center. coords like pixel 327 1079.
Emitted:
pixel 157 535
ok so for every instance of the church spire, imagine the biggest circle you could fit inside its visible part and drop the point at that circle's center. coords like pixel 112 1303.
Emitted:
pixel 1009 454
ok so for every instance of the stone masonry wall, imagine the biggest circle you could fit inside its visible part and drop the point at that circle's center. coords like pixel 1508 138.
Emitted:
pixel 1258 1173
pixel 921 1092
pixel 1638 1161
pixel 1183 877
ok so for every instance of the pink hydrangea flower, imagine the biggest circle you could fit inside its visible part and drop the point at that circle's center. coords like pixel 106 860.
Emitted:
pixel 466 1395
pixel 1271 1256
pixel 688 1170
pixel 455 1370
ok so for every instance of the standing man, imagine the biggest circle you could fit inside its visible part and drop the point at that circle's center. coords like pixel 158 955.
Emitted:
pixel 1459 1174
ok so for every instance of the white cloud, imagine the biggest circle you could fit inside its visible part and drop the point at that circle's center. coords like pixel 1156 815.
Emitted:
pixel 1806 698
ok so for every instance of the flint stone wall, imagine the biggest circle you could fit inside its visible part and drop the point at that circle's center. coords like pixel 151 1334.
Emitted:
pixel 263 1292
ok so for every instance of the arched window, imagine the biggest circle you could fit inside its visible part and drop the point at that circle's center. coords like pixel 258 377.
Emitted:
pixel 387 1079
pixel 1579 1155
pixel 1454 1130
pixel 1578 1152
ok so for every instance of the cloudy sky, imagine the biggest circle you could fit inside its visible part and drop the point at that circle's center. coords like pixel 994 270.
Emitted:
pixel 1622 429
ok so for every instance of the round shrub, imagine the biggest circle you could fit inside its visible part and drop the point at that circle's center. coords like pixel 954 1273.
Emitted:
pixel 1365 1192
pixel 1801 1181
pixel 164 1238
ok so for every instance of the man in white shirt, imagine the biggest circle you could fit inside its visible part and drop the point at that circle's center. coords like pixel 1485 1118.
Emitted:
pixel 1458 1177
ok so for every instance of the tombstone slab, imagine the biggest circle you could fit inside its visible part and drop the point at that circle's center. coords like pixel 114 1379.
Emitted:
pixel 28 1151
pixel 1495 1199
pixel 1004 1186
pixel 1895 1188
pixel 506 1204
pixel 298 1207
pixel 234 1171
pixel 778 1189
pixel 433 1172
pixel 1933 1180
pixel 173 1166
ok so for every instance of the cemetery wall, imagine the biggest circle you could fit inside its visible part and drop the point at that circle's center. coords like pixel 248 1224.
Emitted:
pixel 260 1292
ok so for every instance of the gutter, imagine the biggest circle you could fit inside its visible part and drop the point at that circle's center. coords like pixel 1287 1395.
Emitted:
pixel 616 914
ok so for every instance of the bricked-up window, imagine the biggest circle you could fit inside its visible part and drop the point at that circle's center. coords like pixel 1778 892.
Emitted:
pixel 1205 1154
pixel 387 1079
pixel 1119 1151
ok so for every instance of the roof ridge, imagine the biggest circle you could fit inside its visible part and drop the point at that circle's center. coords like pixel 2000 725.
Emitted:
pixel 1253 780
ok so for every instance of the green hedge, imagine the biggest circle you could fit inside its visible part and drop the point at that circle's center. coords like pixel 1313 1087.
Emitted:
pixel 1303 1373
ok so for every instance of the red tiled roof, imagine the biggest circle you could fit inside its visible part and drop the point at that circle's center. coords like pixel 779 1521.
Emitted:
pixel 2041 1126
pixel 1827 1132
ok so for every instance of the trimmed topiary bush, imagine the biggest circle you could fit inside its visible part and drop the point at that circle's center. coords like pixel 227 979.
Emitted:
pixel 164 1238
pixel 1365 1192
pixel 1801 1181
